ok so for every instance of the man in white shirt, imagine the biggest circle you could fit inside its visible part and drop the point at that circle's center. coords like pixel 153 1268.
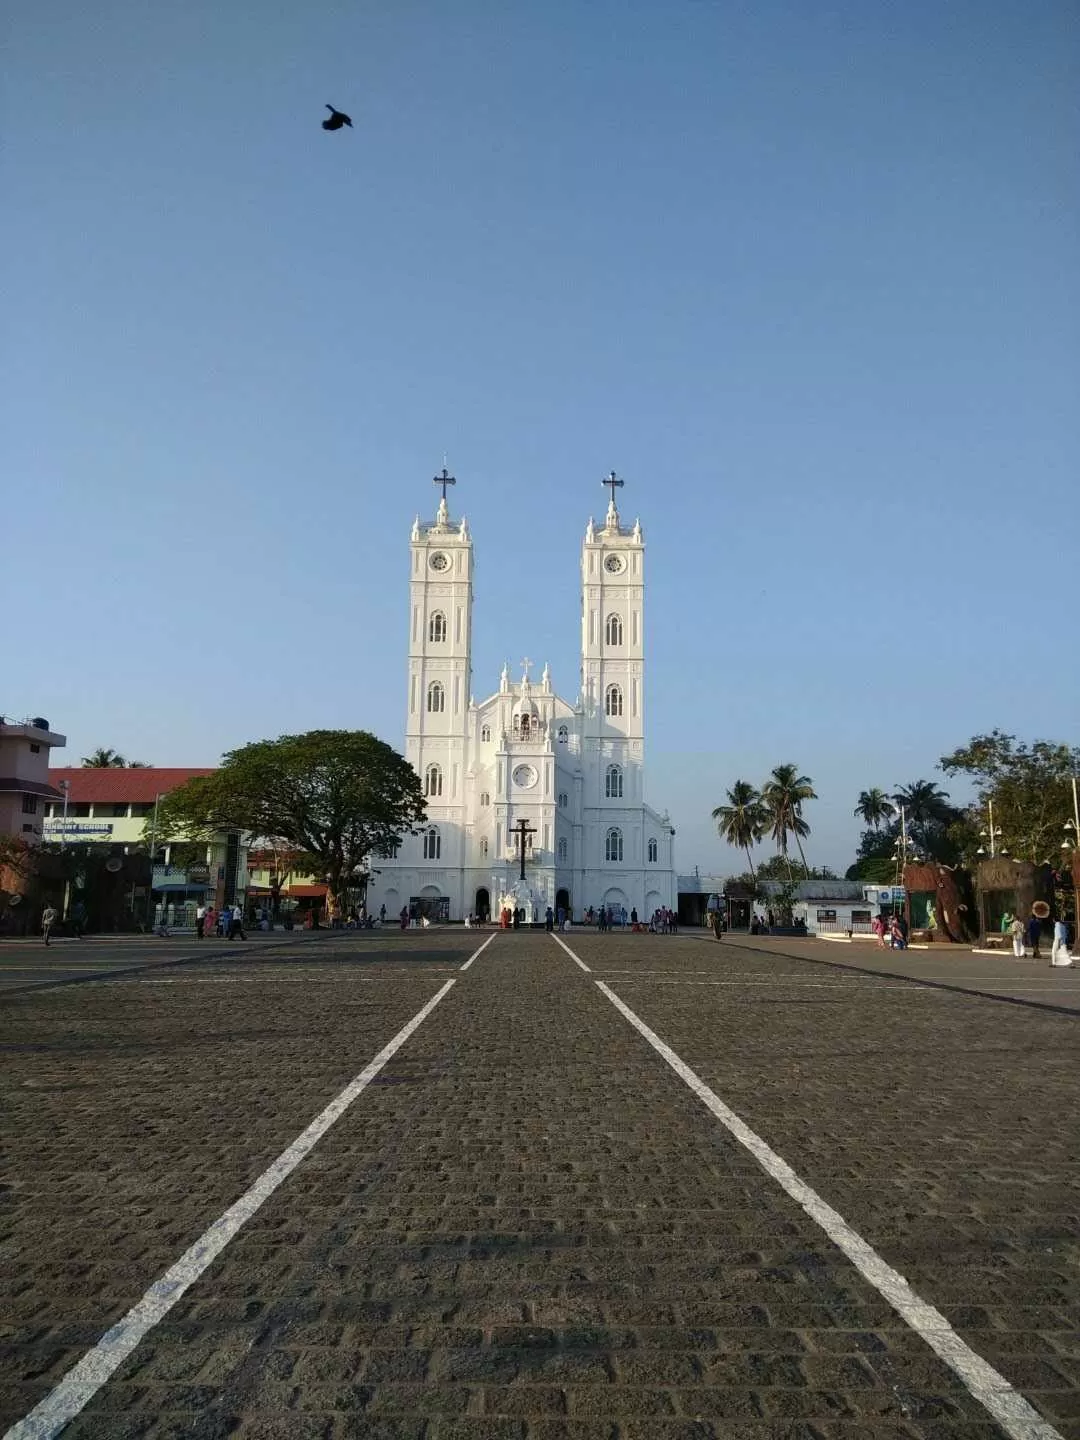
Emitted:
pixel 200 920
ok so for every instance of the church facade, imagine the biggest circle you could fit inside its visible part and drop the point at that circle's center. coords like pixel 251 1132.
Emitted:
pixel 573 772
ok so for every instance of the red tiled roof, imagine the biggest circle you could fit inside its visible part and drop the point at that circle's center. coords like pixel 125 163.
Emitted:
pixel 137 786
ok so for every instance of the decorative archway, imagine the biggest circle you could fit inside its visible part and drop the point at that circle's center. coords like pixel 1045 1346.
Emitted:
pixel 653 901
pixel 562 901
pixel 482 905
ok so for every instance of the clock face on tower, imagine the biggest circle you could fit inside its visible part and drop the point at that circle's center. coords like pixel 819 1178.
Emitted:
pixel 614 563
pixel 525 777
pixel 438 561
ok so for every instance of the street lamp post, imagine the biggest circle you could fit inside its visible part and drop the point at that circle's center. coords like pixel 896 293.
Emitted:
pixel 991 835
pixel 65 786
pixel 1070 844
pixel 153 851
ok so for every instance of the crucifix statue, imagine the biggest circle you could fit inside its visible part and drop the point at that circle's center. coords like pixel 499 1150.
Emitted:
pixel 446 479
pixel 614 482
pixel 521 829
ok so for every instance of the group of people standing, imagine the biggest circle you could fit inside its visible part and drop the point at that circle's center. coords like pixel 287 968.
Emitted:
pixel 228 922
pixel 891 931
pixel 1028 934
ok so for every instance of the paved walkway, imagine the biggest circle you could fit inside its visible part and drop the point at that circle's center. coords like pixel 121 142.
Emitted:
pixel 523 1220
pixel 1000 976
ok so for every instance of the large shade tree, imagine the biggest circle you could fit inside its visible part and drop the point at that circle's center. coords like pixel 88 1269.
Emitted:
pixel 1030 785
pixel 333 798
pixel 741 821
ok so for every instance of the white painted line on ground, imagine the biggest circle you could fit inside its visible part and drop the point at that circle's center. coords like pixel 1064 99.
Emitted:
pixel 85 1379
pixel 571 953
pixel 479 952
pixel 1013 1413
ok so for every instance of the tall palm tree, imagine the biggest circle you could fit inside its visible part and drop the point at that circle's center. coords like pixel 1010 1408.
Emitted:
pixel 741 822
pixel 873 807
pixel 924 801
pixel 104 759
pixel 783 795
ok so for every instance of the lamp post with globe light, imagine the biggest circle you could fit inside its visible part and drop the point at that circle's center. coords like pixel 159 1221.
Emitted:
pixel 991 834
pixel 1070 845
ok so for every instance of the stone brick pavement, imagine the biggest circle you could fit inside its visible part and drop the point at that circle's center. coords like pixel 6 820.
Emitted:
pixel 528 1226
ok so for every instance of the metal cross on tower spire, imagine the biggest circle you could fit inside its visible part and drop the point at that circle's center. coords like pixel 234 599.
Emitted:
pixel 446 479
pixel 614 482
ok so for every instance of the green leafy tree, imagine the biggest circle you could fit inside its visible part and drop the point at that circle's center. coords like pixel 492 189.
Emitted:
pixel 783 796
pixel 1029 784
pixel 741 822
pixel 106 759
pixel 873 807
pixel 782 867
pixel 874 869
pixel 333 798
pixel 924 802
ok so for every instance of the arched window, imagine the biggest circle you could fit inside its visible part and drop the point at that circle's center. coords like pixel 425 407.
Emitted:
pixel 485 734
pixel 652 852
pixel 612 700
pixel 436 698
pixel 437 627
pixel 613 630
pixel 433 780
pixel 562 847
pixel 526 722
pixel 483 845
pixel 485 798
pixel 613 847
pixel 432 844
pixel 562 734
pixel 564 800
pixel 613 782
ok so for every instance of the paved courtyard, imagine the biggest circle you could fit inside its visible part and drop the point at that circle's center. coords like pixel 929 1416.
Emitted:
pixel 638 1187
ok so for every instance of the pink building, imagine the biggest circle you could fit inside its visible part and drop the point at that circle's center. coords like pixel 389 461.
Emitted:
pixel 25 786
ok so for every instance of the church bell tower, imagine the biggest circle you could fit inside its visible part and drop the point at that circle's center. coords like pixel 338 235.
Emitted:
pixel 440 670
pixel 612 643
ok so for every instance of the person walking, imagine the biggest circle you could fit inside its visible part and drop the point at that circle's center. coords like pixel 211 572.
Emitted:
pixel 236 923
pixel 1059 951
pixel 1034 935
pixel 78 920
pixel 200 920
pixel 1016 930
pixel 49 917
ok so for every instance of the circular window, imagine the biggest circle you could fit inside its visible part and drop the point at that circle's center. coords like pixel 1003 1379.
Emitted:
pixel 525 777
pixel 614 563
pixel 439 561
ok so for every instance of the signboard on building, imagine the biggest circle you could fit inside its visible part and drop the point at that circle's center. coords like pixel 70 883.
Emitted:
pixel 76 827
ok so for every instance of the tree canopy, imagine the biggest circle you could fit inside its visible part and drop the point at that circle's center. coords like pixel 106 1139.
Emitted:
pixel 335 798
pixel 741 822
pixel 105 759
pixel 1029 785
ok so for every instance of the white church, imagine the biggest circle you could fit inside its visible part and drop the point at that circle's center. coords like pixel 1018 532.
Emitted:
pixel 573 772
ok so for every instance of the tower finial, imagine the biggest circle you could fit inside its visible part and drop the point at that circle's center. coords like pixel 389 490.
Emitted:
pixel 612 518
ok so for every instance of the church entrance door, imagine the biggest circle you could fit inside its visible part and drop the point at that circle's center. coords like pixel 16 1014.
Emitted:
pixel 482 908
pixel 562 901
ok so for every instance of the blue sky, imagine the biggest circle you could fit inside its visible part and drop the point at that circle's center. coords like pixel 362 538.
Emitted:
pixel 805 275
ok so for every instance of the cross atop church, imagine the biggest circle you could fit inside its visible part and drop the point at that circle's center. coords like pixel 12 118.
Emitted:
pixel 446 479
pixel 526 666
pixel 614 482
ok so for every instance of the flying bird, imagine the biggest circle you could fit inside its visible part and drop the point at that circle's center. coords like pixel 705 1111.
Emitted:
pixel 337 119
